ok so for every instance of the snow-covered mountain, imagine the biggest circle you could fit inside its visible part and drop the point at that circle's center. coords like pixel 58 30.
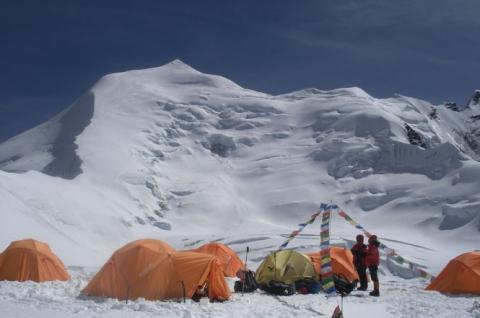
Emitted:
pixel 471 135
pixel 464 124
pixel 170 152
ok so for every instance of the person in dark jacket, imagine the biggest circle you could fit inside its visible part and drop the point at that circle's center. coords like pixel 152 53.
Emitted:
pixel 373 260
pixel 359 251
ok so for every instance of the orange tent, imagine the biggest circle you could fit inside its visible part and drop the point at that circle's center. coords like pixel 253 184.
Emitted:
pixel 460 276
pixel 31 260
pixel 342 262
pixel 230 261
pixel 153 270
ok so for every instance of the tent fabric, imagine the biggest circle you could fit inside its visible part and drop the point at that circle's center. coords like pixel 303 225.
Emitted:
pixel 153 270
pixel 342 262
pixel 287 266
pixel 31 260
pixel 230 261
pixel 460 276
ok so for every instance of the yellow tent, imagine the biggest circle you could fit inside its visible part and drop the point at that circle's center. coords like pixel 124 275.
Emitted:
pixel 286 266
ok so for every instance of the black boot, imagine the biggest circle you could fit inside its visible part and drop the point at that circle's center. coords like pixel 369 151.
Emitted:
pixel 375 293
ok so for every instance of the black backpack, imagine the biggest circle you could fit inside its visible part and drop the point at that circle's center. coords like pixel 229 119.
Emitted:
pixel 278 288
pixel 250 283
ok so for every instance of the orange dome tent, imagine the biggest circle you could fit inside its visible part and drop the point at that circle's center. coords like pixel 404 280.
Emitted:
pixel 342 262
pixel 460 276
pixel 153 270
pixel 31 260
pixel 230 261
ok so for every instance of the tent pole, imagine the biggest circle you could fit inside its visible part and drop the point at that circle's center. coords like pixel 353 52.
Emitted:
pixel 183 289
pixel 320 251
pixel 275 266
pixel 245 270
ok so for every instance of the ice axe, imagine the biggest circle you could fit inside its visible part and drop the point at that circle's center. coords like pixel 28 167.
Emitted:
pixel 245 270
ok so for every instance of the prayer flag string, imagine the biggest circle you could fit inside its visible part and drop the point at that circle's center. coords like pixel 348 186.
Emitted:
pixel 390 252
pixel 301 226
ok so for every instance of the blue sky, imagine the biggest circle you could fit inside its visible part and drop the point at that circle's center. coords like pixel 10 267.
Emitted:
pixel 53 51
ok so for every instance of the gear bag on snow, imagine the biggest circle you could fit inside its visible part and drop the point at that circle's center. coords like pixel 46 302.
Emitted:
pixel 342 285
pixel 307 286
pixel 248 285
pixel 278 288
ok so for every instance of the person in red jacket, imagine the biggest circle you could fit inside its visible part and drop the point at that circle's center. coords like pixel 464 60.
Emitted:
pixel 373 260
pixel 359 251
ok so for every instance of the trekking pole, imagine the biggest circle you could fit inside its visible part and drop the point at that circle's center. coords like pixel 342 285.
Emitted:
pixel 245 270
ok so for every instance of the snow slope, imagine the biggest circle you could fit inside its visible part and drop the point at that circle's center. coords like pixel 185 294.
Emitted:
pixel 187 157
pixel 175 154
pixel 172 151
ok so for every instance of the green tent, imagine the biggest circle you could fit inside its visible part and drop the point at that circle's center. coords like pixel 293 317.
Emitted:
pixel 286 266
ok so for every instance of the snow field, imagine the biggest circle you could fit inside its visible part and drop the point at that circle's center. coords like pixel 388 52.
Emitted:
pixel 399 299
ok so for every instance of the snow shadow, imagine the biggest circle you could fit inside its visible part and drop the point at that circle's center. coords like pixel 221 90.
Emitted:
pixel 66 163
